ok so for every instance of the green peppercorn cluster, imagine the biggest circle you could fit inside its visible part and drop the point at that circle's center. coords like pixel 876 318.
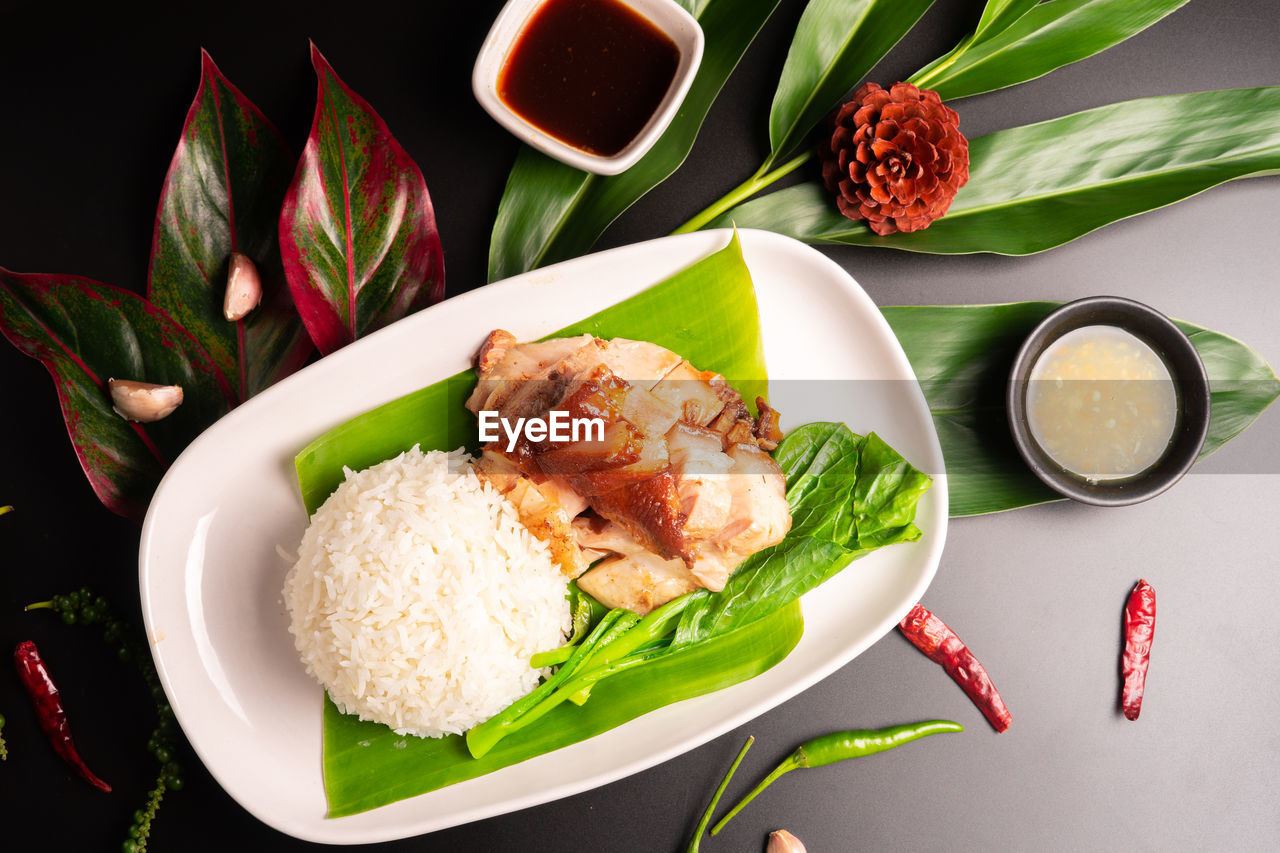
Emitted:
pixel 84 607
pixel 141 827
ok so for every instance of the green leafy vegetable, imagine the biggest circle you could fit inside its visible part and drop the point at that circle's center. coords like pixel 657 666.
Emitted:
pixel 849 495
pixel 1041 185
pixel 621 642
pixel 483 737
pixel 552 212
pixel 1019 40
pixel 962 355
pixel 586 612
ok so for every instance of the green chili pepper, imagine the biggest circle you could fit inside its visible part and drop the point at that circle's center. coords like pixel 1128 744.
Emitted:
pixel 839 746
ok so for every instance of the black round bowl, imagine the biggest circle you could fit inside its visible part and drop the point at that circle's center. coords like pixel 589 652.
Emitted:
pixel 1185 367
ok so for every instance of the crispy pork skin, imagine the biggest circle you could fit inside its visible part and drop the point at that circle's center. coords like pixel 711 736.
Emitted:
pixel 680 488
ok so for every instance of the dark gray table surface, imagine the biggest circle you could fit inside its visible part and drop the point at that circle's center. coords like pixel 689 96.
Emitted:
pixel 91 103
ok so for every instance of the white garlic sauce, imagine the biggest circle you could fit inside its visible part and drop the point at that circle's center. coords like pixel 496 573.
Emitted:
pixel 1101 403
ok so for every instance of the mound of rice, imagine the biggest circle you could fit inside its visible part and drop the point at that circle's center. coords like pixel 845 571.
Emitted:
pixel 418 597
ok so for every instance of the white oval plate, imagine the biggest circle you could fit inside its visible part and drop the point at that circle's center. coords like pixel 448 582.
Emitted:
pixel 210 575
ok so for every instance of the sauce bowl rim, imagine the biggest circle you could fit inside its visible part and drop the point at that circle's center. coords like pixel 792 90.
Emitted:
pixel 1185 368
pixel 668 16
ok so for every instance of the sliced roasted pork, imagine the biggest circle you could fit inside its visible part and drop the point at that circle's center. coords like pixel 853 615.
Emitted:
pixel 679 479
pixel 625 573
pixel 701 469
pixel 759 515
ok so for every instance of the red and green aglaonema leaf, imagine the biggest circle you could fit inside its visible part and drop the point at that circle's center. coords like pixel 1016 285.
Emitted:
pixel 357 231
pixel 85 333
pixel 222 194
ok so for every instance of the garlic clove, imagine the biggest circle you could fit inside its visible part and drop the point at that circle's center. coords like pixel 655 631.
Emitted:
pixel 244 288
pixel 143 402
pixel 782 841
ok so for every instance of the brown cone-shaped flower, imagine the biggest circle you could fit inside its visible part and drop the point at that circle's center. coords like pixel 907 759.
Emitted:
pixel 896 158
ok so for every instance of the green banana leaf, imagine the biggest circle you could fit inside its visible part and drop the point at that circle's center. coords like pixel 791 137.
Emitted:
pixel 552 212
pixel 836 43
pixel 367 765
pixel 1041 185
pixel 1019 41
pixel 962 355
pixel 707 313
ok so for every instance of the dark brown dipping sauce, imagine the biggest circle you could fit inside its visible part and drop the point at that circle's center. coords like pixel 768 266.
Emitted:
pixel 591 73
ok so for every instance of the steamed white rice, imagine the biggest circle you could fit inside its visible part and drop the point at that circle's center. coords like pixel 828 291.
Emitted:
pixel 418 597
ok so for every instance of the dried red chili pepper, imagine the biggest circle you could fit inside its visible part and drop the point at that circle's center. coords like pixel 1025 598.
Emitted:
pixel 1139 630
pixel 53 719
pixel 931 635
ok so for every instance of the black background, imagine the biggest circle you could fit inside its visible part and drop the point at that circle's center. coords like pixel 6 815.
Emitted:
pixel 92 100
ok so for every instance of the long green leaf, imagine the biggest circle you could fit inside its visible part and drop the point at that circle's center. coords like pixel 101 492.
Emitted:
pixel 836 43
pixel 552 212
pixel 1048 36
pixel 999 15
pixel 1041 185
pixel 962 355
pixel 222 194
